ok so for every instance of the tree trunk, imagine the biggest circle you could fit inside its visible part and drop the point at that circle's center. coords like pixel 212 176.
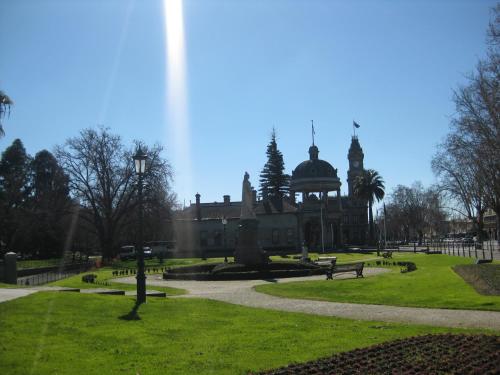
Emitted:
pixel 370 213
pixel 480 226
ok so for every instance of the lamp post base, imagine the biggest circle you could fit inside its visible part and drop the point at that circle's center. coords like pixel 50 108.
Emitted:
pixel 141 287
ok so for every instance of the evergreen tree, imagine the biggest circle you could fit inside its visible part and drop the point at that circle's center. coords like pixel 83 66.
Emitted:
pixel 274 183
pixel 15 177
pixel 50 206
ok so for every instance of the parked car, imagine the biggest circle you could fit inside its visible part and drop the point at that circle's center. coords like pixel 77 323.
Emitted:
pixel 148 253
pixel 127 252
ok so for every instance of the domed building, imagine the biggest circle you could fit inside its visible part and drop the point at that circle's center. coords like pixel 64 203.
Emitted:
pixel 315 213
pixel 325 218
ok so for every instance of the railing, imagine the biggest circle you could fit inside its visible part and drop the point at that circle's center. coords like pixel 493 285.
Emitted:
pixel 471 249
pixel 44 278
pixel 46 275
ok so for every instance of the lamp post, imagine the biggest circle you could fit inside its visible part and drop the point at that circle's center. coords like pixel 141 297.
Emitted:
pixel 140 167
pixel 224 223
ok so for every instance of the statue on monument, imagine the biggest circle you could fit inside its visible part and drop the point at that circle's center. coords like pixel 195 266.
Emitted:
pixel 247 211
pixel 248 250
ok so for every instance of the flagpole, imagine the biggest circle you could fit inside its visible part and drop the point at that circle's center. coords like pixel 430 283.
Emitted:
pixel 353 128
pixel 312 130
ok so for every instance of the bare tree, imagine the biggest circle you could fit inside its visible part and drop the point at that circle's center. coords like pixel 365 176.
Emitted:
pixel 460 179
pixel 414 211
pixel 102 178
pixel 475 129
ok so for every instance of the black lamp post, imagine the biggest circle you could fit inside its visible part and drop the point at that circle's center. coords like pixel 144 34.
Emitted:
pixel 224 222
pixel 140 167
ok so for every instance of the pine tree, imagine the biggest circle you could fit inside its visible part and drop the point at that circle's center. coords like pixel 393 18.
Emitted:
pixel 15 181
pixel 274 183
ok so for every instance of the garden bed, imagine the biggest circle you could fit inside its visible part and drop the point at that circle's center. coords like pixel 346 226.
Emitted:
pixel 484 278
pixel 429 354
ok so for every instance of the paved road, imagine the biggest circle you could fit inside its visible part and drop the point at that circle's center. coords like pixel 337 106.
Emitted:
pixel 242 293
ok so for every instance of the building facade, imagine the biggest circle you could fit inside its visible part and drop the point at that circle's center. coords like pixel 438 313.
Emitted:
pixel 315 213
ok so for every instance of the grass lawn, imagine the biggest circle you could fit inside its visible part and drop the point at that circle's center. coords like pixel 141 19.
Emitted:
pixel 67 333
pixel 105 274
pixel 433 284
pixel 5 285
pixel 170 262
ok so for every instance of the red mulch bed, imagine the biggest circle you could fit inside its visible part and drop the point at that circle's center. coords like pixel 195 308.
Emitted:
pixel 430 354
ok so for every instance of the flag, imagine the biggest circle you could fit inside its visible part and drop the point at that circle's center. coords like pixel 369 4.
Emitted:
pixel 355 124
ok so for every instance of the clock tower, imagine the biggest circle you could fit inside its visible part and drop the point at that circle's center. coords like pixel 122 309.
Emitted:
pixel 355 157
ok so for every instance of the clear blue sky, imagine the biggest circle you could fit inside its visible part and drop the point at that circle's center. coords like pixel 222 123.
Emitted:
pixel 251 65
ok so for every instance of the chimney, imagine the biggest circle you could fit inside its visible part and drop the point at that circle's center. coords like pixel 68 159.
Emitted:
pixel 198 206
pixel 254 196
pixel 227 199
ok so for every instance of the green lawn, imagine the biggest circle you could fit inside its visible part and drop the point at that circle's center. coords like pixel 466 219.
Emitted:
pixel 433 284
pixel 105 275
pixel 172 262
pixel 71 333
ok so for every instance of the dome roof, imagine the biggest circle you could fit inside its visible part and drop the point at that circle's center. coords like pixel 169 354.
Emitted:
pixel 314 174
pixel 314 168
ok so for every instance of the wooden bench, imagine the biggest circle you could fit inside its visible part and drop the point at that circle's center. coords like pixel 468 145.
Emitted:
pixel 387 254
pixel 89 278
pixel 349 267
pixel 322 261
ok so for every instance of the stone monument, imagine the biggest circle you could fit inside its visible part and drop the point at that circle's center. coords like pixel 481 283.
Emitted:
pixel 248 250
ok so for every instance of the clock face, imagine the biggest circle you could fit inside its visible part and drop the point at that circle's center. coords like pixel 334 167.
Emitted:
pixel 355 164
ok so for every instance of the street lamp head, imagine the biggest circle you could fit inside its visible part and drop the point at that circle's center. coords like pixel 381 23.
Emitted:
pixel 140 161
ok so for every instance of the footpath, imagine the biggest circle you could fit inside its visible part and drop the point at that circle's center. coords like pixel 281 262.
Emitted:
pixel 243 293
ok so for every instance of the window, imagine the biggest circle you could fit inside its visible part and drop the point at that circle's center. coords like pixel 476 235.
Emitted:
pixel 290 236
pixel 346 219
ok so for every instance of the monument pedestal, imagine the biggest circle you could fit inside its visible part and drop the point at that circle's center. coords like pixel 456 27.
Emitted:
pixel 248 250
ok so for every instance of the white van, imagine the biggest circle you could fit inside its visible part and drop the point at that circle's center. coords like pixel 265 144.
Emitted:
pixel 127 252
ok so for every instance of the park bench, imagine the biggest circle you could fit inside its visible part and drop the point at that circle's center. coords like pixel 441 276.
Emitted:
pixel 349 267
pixel 326 260
pixel 387 254
pixel 481 261
pixel 89 278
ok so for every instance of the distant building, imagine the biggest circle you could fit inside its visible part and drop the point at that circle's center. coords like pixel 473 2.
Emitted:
pixel 320 217
pixel 491 224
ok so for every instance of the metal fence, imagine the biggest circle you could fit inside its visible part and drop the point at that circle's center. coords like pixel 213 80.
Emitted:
pixel 46 277
pixel 470 249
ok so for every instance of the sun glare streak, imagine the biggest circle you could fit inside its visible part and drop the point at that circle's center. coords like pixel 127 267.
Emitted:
pixel 70 234
pixel 176 101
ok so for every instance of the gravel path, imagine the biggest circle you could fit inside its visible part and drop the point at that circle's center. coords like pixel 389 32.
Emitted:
pixel 7 294
pixel 242 293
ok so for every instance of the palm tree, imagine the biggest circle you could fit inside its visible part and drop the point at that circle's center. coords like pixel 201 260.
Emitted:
pixel 369 186
pixel 5 103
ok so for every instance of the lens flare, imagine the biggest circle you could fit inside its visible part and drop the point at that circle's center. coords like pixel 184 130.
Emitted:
pixel 176 84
